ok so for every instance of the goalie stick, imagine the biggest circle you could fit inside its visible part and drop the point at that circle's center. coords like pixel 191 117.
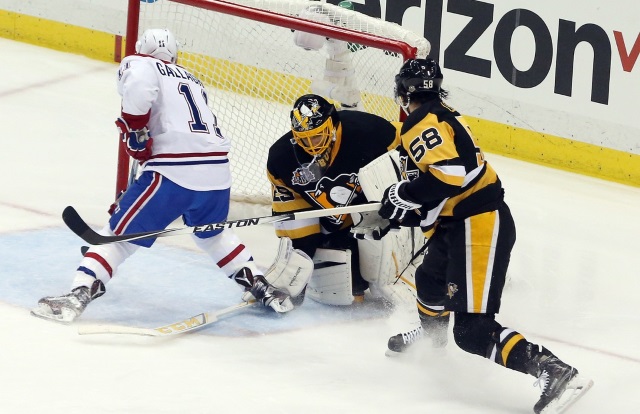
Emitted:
pixel 185 325
pixel 73 220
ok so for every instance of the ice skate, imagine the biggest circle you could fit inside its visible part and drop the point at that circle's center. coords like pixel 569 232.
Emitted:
pixel 433 329
pixel 66 308
pixel 560 383
pixel 257 287
pixel 401 342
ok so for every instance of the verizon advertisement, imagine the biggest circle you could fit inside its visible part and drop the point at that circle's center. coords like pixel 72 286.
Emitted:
pixel 546 65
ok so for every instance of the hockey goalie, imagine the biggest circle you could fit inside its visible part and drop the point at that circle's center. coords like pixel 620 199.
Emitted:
pixel 322 163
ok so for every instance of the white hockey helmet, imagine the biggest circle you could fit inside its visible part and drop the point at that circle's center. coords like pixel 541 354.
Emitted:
pixel 159 43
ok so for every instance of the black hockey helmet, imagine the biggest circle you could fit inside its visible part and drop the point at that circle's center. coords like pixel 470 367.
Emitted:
pixel 314 122
pixel 417 76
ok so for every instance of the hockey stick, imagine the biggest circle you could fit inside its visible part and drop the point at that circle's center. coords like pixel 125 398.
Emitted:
pixel 186 325
pixel 73 220
pixel 133 172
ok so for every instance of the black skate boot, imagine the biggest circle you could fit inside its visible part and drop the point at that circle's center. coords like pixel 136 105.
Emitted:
pixel 67 308
pixel 402 342
pixel 434 329
pixel 560 383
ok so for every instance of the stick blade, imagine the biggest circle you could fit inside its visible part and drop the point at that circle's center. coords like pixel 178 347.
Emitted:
pixel 73 220
pixel 186 325
pixel 95 329
pixel 77 225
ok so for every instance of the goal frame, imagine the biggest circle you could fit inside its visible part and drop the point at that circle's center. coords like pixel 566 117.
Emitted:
pixel 294 23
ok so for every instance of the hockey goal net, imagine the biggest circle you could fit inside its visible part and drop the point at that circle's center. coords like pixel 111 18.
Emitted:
pixel 257 56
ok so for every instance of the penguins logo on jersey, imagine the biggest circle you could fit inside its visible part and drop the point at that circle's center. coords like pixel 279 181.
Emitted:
pixel 338 192
pixel 404 169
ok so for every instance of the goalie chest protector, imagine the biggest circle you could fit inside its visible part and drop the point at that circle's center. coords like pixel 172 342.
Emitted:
pixel 364 138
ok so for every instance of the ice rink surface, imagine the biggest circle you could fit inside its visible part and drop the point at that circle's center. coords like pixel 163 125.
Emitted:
pixel 574 287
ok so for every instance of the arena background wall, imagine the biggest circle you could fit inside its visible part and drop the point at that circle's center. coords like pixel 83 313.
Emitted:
pixel 539 80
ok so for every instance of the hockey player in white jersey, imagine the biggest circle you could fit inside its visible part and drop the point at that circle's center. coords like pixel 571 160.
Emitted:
pixel 168 127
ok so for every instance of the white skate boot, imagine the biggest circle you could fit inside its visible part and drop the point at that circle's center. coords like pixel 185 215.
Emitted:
pixel 66 308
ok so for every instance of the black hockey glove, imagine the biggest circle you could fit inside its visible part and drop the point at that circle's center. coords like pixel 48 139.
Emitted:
pixel 395 203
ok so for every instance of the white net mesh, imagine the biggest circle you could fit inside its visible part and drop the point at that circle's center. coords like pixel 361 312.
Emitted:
pixel 254 71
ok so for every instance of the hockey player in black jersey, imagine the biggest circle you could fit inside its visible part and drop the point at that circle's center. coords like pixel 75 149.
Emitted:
pixel 453 193
pixel 315 166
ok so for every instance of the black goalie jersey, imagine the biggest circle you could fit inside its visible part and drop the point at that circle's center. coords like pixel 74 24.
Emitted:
pixel 361 138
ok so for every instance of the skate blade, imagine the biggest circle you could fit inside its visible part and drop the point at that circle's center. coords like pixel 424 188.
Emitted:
pixel 394 354
pixel 44 312
pixel 574 390
pixel 426 351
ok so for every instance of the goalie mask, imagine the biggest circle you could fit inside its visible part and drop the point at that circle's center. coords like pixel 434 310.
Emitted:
pixel 314 123
pixel 417 76
pixel 159 43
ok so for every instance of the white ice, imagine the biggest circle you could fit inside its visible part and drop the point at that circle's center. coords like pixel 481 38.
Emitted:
pixel 574 287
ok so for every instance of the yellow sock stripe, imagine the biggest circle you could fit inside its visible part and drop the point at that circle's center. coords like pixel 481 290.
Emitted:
pixel 506 349
pixel 427 311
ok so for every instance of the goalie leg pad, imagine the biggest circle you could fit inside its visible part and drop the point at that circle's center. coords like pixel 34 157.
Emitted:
pixel 383 261
pixel 291 270
pixel 331 282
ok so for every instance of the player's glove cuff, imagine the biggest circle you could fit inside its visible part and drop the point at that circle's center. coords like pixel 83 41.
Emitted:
pixel 396 203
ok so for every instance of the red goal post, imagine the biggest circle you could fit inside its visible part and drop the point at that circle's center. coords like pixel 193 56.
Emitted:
pixel 247 54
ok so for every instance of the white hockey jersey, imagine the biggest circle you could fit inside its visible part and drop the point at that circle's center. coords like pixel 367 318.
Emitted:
pixel 188 146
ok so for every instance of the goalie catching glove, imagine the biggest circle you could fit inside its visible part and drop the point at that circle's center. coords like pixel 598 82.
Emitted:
pixel 371 226
pixel 396 203
pixel 138 142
